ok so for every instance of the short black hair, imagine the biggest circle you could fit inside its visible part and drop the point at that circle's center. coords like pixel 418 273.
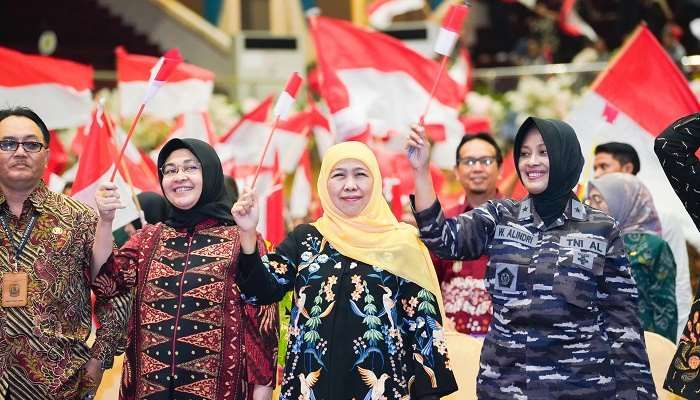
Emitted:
pixel 622 152
pixel 27 113
pixel 486 137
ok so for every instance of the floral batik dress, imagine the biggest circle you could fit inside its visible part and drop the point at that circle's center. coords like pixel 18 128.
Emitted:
pixel 356 331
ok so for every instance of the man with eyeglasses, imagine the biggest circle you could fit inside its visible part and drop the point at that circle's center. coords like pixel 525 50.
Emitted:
pixel 46 272
pixel 467 303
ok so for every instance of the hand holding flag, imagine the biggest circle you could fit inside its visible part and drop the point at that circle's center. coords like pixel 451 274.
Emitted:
pixel 444 45
pixel 159 75
pixel 281 109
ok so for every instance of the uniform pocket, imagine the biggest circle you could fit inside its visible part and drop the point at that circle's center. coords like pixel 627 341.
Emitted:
pixel 577 276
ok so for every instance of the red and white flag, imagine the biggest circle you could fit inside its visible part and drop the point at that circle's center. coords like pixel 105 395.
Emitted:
pixel 59 91
pixel 58 158
pixel 382 12
pixel 371 79
pixel 142 171
pixel 302 189
pixel 95 166
pixel 191 125
pixel 188 87
pixel 243 144
pixel 285 100
pixel 321 128
pixel 572 24
pixel 273 228
pixel 462 72
pixel 632 101
pixel 268 188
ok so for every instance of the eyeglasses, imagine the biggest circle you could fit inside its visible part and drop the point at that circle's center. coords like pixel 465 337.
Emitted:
pixel 170 170
pixel 471 161
pixel 13 145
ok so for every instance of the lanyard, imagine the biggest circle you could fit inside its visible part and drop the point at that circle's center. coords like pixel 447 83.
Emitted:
pixel 18 247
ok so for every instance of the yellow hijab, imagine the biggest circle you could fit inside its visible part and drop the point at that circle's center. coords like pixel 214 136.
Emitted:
pixel 375 236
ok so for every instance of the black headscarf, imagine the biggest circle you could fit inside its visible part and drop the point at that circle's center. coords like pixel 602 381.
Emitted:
pixel 155 208
pixel 565 165
pixel 214 201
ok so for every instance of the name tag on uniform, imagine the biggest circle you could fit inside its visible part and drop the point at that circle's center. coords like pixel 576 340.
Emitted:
pixel 519 235
pixel 579 242
pixel 506 277
pixel 14 289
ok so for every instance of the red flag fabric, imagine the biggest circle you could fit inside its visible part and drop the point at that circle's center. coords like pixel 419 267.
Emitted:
pixel 188 88
pixel 371 79
pixel 244 142
pixel 191 125
pixel 302 189
pixel 59 91
pixel 57 157
pixel 95 166
pixel 274 210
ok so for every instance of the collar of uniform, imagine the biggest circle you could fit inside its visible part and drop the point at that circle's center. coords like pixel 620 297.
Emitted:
pixel 525 211
pixel 576 210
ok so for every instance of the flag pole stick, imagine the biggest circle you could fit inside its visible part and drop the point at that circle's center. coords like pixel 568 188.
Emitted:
pixel 443 65
pixel 127 174
pixel 128 137
pixel 262 156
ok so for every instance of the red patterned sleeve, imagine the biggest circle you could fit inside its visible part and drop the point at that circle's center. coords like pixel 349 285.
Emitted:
pixel 261 324
pixel 261 334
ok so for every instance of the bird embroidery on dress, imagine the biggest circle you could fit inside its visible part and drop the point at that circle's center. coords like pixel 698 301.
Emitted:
pixel 429 371
pixel 376 385
pixel 307 382
pixel 389 304
pixel 300 302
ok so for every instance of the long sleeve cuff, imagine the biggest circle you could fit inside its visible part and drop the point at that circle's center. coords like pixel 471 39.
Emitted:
pixel 103 351
pixel 427 216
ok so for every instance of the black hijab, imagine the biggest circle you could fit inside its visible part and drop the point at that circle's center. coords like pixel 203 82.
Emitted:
pixel 565 165
pixel 214 201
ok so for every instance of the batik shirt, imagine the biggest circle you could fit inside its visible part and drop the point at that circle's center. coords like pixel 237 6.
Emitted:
pixel 42 345
pixel 191 336
pixel 356 331
pixel 654 271
pixel 676 148
pixel 565 321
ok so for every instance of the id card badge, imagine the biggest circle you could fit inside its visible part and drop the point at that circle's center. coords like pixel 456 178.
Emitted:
pixel 14 289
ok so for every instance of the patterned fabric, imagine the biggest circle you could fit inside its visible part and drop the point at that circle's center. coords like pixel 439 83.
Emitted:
pixel 654 271
pixel 676 147
pixel 565 321
pixel 467 302
pixel 190 334
pixel 42 345
pixel 356 331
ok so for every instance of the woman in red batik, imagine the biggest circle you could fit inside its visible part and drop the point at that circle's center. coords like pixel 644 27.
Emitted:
pixel 190 334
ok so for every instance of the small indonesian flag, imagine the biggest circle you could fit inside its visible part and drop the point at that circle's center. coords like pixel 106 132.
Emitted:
pixel 286 98
pixel 450 29
pixel 161 72
pixel 188 89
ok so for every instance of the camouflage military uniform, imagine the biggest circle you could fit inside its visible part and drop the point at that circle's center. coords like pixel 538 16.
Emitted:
pixel 565 322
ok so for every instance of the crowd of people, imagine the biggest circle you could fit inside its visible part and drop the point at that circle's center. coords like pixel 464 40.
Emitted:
pixel 561 289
